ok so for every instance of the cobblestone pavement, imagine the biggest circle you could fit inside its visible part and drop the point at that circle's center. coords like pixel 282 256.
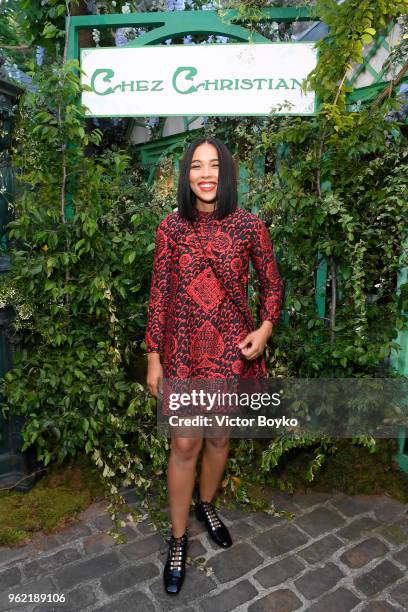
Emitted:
pixel 339 553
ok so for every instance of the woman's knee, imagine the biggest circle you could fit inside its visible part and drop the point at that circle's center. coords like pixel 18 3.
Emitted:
pixel 217 444
pixel 185 449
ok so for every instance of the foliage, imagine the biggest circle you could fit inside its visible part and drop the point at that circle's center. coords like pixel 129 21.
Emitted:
pixel 358 226
pixel 399 52
pixel 250 15
pixel 43 22
pixel 352 26
pixel 349 467
pixel 12 35
pixel 85 276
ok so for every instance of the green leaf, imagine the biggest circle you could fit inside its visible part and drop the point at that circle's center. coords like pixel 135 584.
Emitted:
pixel 79 374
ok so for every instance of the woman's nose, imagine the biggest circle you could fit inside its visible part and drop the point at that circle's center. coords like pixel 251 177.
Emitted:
pixel 206 171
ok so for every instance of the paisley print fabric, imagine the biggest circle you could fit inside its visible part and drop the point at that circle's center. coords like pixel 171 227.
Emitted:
pixel 192 322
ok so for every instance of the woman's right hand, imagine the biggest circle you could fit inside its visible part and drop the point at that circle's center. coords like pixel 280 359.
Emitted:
pixel 154 373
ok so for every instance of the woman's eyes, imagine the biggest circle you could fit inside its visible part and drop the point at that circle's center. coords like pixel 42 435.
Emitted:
pixel 198 167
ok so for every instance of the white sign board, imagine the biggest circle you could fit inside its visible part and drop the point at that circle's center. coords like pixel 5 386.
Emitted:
pixel 195 80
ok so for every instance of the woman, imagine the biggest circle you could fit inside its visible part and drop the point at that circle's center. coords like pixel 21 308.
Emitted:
pixel 199 324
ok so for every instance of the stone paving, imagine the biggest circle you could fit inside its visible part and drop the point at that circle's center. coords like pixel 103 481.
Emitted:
pixel 339 553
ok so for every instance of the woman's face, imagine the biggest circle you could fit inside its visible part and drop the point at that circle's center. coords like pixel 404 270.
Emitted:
pixel 204 173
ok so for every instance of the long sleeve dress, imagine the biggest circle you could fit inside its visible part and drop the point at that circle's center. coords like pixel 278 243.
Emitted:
pixel 192 322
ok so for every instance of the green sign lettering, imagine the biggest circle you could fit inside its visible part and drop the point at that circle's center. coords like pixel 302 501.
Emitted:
pixel 282 83
pixel 106 79
pixel 101 83
pixel 191 73
pixel 156 86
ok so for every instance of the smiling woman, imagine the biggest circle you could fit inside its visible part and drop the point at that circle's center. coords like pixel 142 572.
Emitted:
pixel 206 163
pixel 204 176
pixel 199 323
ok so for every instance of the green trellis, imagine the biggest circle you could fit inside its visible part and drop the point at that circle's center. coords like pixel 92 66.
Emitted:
pixel 180 23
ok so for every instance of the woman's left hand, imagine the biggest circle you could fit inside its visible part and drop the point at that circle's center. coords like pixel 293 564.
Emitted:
pixel 253 345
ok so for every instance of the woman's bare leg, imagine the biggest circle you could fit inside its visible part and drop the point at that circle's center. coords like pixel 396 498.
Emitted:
pixel 180 480
pixel 215 456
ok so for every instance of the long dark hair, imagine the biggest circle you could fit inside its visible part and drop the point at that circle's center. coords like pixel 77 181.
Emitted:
pixel 227 181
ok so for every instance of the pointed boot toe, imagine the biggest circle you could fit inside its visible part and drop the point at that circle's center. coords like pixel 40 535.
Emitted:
pixel 216 529
pixel 175 568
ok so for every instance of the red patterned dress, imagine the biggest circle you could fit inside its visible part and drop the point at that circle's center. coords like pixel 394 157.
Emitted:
pixel 192 322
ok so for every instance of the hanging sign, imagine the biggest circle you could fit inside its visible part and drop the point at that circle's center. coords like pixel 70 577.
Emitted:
pixel 195 80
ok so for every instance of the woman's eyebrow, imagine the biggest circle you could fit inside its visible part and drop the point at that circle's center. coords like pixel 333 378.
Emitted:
pixel 198 161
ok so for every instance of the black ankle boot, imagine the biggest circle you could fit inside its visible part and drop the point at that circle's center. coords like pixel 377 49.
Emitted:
pixel 217 531
pixel 175 568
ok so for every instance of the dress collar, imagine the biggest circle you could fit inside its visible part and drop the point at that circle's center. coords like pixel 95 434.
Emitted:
pixel 202 215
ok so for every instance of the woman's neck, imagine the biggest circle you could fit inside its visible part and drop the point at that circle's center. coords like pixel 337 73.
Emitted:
pixel 204 206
